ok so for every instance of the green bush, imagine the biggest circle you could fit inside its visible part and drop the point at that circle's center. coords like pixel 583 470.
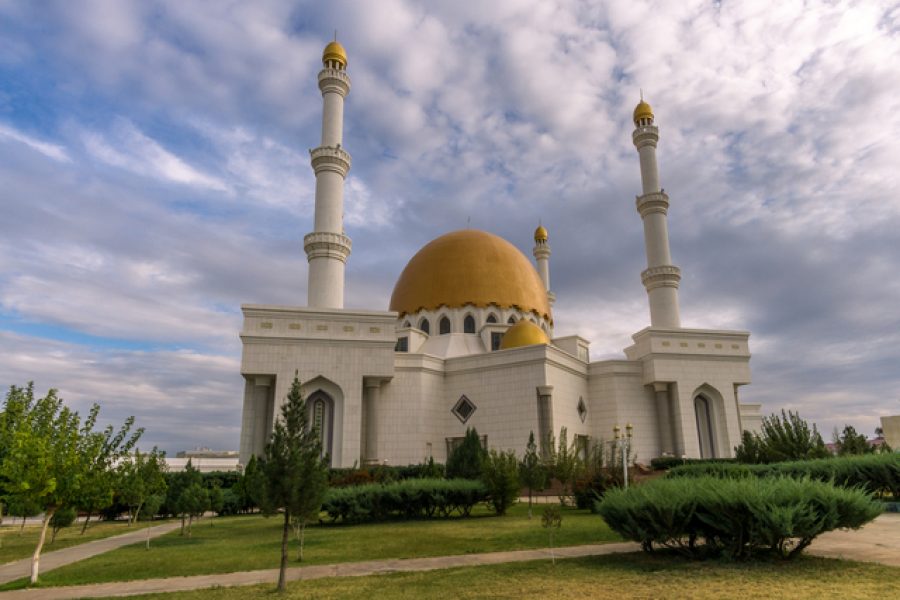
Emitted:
pixel 783 438
pixel 500 474
pixel 737 518
pixel 465 461
pixel 876 473
pixel 664 463
pixel 410 498
pixel 344 477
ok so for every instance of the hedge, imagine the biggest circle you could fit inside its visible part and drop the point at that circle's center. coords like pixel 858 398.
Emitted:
pixel 737 518
pixel 343 477
pixel 876 473
pixel 664 463
pixel 410 498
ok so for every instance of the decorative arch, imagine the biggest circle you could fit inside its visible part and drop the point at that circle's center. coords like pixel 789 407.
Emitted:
pixel 469 324
pixel 709 417
pixel 511 320
pixel 444 325
pixel 491 318
pixel 425 325
pixel 325 401
pixel 406 324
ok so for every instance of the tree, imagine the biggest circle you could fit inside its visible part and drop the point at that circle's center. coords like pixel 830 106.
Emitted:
pixel 787 437
pixel 141 476
pixel 500 474
pixel 565 465
pixel 531 471
pixel 182 502
pixel 296 473
pixel 99 450
pixel 849 442
pixel 46 462
pixel 466 460
pixel 64 517
pixel 550 520
pixel 216 499
pixel 251 485
pixel 194 501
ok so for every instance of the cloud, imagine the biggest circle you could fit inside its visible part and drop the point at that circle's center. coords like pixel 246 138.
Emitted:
pixel 54 151
pixel 128 148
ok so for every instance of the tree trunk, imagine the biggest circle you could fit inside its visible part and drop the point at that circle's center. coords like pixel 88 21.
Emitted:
pixel 137 513
pixel 148 537
pixel 190 522
pixel 84 527
pixel 53 535
pixel 182 523
pixel 36 557
pixel 285 533
pixel 302 535
pixel 22 528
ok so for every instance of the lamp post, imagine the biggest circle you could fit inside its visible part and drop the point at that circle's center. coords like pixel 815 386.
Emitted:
pixel 624 443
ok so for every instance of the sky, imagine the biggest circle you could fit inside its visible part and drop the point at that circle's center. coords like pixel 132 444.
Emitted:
pixel 154 176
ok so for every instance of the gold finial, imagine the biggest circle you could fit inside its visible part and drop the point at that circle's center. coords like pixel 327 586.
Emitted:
pixel 540 234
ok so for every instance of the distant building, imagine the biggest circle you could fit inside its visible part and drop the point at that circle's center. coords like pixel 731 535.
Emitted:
pixel 204 460
pixel 890 427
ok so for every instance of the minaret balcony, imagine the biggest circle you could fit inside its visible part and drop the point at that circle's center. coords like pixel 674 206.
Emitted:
pixel 647 135
pixel 327 244
pixel 661 276
pixel 330 158
pixel 333 80
pixel 654 202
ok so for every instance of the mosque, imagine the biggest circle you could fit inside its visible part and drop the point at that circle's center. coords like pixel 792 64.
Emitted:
pixel 468 342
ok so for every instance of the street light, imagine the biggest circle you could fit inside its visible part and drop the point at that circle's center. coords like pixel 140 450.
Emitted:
pixel 624 442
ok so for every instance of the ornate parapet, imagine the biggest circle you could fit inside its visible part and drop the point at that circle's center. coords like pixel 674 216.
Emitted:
pixel 325 244
pixel 330 158
pixel 651 203
pixel 332 80
pixel 541 251
pixel 662 276
pixel 648 135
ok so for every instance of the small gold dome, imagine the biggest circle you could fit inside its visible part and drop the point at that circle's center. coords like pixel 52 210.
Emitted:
pixel 334 51
pixel 523 333
pixel 469 267
pixel 540 234
pixel 642 110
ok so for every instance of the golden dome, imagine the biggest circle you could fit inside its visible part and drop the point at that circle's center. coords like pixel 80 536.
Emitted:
pixel 642 110
pixel 523 333
pixel 334 51
pixel 540 234
pixel 469 267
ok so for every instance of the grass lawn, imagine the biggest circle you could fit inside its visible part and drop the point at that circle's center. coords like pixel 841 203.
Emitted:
pixel 252 542
pixel 16 546
pixel 614 576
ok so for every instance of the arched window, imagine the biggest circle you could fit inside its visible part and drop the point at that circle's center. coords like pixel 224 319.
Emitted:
pixel 425 326
pixel 406 323
pixel 469 324
pixel 492 318
pixel 444 325
pixel 511 320
pixel 321 419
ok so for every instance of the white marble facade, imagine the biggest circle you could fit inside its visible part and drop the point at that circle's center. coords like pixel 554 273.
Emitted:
pixel 384 390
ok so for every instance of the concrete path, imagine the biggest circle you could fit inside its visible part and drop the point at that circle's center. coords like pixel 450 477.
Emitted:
pixel 358 569
pixel 879 542
pixel 52 560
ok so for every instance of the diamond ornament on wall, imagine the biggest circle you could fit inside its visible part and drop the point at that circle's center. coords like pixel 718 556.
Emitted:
pixel 463 409
pixel 582 409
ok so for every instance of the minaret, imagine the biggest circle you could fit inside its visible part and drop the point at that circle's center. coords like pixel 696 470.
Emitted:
pixel 661 277
pixel 541 253
pixel 327 248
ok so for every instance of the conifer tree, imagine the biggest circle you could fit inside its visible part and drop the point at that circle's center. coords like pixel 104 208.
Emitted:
pixel 533 474
pixel 296 473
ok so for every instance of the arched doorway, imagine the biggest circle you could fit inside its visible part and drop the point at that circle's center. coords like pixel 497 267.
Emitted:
pixel 705 427
pixel 321 419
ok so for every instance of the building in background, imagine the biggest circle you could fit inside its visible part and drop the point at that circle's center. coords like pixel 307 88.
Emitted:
pixel 468 342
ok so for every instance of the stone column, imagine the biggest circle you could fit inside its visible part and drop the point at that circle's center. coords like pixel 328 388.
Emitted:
pixel 664 418
pixel 545 417
pixel 370 418
pixel 264 412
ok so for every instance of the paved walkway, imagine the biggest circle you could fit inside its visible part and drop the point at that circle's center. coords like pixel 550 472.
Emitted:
pixel 372 567
pixel 58 558
pixel 878 541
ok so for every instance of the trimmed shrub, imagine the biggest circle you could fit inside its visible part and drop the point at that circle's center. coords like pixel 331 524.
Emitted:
pixel 737 518
pixel 465 461
pixel 664 463
pixel 343 477
pixel 876 473
pixel 411 498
